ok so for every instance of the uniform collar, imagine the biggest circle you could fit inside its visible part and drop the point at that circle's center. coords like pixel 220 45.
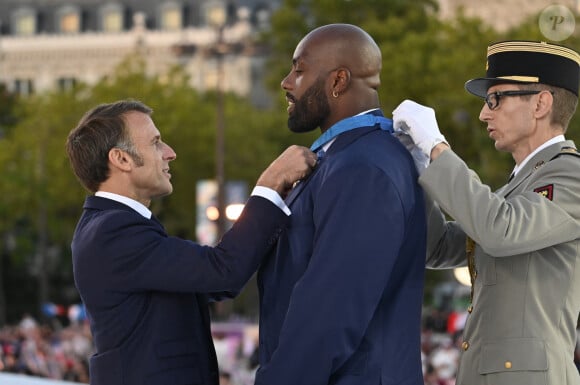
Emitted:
pixel 554 140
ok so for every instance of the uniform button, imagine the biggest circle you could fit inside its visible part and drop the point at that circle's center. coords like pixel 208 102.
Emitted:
pixel 470 309
pixel 465 345
pixel 508 364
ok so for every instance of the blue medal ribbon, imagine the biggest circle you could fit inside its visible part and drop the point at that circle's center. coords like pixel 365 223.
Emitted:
pixel 366 120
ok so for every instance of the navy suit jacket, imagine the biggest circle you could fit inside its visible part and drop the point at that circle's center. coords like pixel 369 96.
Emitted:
pixel 146 293
pixel 341 295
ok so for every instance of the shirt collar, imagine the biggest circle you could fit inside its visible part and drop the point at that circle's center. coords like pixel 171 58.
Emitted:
pixel 554 140
pixel 137 206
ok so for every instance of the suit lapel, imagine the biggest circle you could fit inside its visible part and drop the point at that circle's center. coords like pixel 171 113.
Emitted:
pixel 299 188
pixel 157 222
pixel 342 141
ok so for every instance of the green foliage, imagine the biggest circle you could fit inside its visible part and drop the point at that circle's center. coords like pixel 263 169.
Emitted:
pixel 33 163
pixel 8 113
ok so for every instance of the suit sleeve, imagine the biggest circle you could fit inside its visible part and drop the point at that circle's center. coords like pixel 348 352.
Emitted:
pixel 359 227
pixel 508 226
pixel 135 254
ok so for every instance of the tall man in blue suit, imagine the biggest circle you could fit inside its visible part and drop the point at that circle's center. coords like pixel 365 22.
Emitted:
pixel 340 296
pixel 146 292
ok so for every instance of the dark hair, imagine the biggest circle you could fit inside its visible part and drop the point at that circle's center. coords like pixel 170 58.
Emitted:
pixel 98 131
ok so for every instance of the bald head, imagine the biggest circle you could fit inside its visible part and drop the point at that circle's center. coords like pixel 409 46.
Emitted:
pixel 346 45
pixel 335 74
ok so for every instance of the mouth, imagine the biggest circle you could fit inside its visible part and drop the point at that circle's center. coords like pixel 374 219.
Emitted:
pixel 166 172
pixel 291 102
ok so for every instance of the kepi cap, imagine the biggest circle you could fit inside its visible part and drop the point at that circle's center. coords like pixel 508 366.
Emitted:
pixel 526 62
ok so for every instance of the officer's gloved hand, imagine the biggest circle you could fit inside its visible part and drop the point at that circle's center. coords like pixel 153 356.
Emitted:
pixel 421 160
pixel 419 123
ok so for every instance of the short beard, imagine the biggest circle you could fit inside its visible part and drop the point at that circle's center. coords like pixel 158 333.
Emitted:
pixel 310 110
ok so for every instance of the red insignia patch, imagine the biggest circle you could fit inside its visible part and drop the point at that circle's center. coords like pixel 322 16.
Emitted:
pixel 546 191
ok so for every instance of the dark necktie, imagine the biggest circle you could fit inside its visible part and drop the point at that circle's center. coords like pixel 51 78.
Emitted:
pixel 320 154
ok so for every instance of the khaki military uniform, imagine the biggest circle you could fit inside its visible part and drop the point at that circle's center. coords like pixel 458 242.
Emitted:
pixel 521 329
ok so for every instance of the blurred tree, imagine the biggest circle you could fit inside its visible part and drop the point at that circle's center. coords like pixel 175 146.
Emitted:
pixel 8 110
pixel 36 190
pixel 8 118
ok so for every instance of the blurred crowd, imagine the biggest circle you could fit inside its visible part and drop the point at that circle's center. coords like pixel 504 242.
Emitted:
pixel 43 350
pixel 56 352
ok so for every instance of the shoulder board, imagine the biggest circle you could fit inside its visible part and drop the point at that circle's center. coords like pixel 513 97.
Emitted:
pixel 567 151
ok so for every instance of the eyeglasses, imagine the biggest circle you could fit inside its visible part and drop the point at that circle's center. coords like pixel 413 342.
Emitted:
pixel 492 99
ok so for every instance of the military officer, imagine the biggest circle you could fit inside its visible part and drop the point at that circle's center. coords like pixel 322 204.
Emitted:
pixel 522 240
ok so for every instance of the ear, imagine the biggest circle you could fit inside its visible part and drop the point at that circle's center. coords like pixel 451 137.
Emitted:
pixel 544 104
pixel 341 80
pixel 120 159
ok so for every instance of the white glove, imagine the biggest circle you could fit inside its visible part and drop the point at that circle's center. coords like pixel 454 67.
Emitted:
pixel 421 160
pixel 419 122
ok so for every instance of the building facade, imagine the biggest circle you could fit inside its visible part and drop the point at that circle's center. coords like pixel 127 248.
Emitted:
pixel 502 14
pixel 53 44
pixel 48 44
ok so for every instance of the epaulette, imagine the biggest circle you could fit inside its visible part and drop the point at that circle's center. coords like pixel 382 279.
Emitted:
pixel 567 151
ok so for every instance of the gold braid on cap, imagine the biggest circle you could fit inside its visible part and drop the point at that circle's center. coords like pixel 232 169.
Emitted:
pixel 525 46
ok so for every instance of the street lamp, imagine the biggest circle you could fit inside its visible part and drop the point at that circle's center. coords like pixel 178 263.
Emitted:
pixel 217 19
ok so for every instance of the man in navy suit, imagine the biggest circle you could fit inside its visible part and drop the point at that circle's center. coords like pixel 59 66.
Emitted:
pixel 146 293
pixel 341 295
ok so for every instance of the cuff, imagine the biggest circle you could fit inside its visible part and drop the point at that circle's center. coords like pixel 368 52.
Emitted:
pixel 272 196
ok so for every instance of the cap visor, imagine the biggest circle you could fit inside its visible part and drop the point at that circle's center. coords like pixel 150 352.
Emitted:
pixel 479 86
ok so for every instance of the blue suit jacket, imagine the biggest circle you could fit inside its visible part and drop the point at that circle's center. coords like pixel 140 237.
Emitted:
pixel 146 293
pixel 341 295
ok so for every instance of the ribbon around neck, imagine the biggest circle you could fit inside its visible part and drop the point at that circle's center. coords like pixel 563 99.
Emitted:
pixel 351 123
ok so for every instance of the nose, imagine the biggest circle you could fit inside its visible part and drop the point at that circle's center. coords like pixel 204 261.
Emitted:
pixel 484 114
pixel 285 83
pixel 168 152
